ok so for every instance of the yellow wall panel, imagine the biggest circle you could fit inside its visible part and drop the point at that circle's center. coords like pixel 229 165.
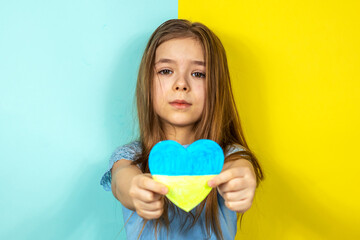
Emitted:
pixel 295 68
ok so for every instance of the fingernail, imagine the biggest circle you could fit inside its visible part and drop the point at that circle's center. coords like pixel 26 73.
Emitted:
pixel 211 183
pixel 164 190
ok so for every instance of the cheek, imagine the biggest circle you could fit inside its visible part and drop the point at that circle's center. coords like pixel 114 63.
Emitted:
pixel 159 93
pixel 200 92
pixel 160 86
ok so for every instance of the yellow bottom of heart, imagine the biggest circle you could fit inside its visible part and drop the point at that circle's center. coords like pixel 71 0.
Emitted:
pixel 186 192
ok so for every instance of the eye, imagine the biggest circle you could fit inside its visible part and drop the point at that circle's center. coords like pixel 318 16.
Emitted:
pixel 198 75
pixel 165 72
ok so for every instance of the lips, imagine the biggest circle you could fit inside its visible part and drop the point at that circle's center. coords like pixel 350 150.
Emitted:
pixel 180 104
pixel 180 101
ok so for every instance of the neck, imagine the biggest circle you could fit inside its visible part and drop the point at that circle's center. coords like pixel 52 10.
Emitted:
pixel 183 135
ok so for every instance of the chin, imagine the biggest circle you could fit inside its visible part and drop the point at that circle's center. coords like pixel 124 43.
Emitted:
pixel 181 122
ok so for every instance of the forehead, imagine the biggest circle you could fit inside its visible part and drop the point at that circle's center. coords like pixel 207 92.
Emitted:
pixel 180 49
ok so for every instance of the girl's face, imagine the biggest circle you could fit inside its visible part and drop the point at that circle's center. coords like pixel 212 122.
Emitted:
pixel 179 82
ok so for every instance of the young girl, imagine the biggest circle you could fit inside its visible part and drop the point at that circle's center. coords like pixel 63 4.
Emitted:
pixel 184 94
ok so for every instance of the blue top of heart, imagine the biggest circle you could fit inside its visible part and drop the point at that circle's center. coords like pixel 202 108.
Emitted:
pixel 202 157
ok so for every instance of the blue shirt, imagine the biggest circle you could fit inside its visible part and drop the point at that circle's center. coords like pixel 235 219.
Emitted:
pixel 227 218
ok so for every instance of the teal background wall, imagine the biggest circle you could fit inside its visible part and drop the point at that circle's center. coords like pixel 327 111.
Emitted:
pixel 67 78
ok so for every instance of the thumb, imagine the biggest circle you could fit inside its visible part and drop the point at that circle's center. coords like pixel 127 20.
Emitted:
pixel 214 182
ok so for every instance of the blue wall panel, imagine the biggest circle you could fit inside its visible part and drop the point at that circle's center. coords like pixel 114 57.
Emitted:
pixel 67 78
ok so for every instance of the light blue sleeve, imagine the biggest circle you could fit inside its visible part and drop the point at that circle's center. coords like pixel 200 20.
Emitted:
pixel 235 148
pixel 127 152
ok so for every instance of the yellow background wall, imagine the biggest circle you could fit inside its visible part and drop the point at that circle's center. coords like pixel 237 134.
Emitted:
pixel 295 67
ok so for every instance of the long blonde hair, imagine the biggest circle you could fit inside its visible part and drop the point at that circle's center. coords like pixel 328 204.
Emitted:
pixel 219 121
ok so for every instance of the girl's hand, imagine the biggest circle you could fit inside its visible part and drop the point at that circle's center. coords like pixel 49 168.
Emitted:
pixel 236 184
pixel 147 196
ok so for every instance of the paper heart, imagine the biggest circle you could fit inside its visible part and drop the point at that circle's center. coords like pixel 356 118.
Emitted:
pixel 186 171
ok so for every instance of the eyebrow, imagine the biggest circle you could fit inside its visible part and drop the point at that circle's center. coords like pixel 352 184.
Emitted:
pixel 167 60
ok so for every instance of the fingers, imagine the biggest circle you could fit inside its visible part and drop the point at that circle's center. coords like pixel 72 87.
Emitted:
pixel 144 195
pixel 239 206
pixel 226 176
pixel 153 206
pixel 235 184
pixel 151 185
pixel 149 214
pixel 239 201
pixel 238 195
pixel 147 196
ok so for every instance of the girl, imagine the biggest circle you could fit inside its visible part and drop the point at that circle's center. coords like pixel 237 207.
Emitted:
pixel 184 94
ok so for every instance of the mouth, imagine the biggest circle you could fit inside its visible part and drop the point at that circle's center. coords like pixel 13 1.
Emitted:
pixel 180 104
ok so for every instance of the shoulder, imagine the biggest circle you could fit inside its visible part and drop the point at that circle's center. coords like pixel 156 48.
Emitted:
pixel 230 149
pixel 127 151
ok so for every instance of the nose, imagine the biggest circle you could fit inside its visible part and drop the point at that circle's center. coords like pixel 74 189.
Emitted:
pixel 181 85
pixel 179 88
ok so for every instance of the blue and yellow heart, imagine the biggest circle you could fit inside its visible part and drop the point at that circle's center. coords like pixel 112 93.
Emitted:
pixel 186 171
